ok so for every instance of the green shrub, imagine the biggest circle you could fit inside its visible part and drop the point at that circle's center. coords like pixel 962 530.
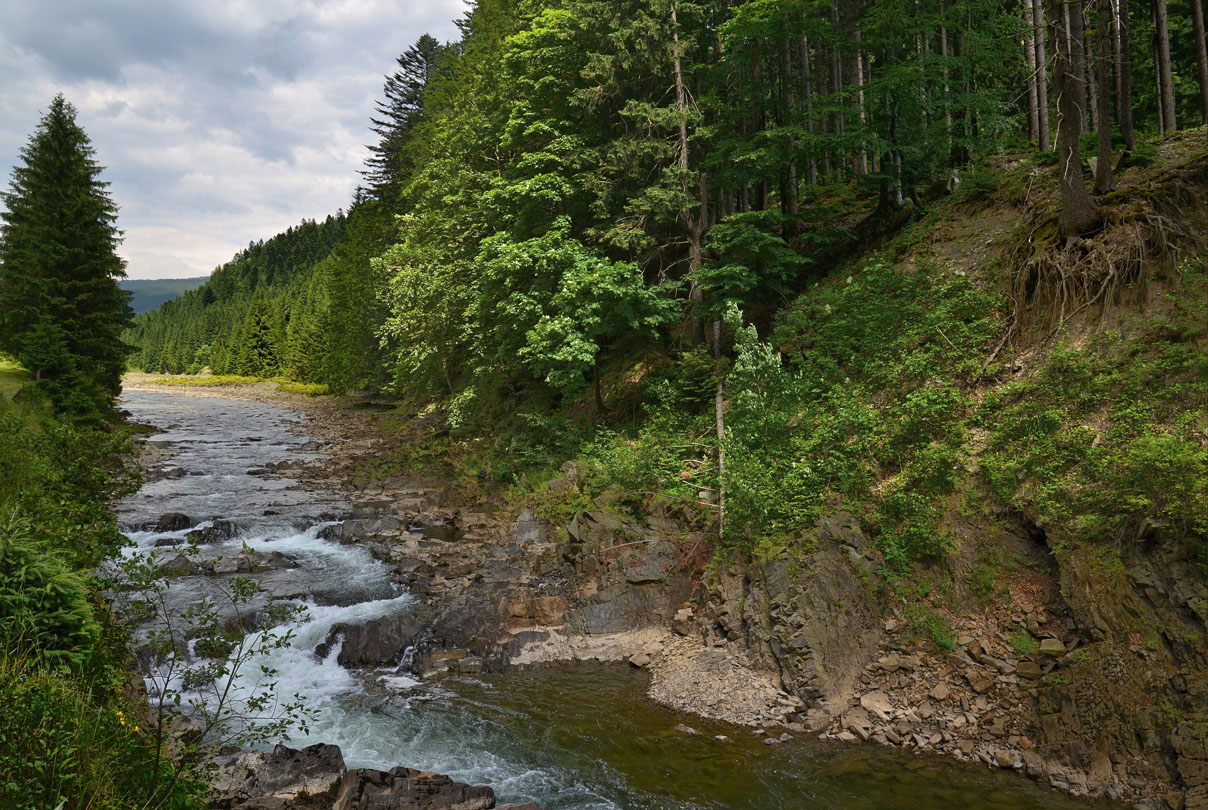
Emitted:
pixel 43 605
pixel 64 746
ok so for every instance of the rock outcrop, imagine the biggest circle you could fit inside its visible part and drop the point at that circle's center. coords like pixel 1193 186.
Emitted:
pixel 315 778
pixel 381 641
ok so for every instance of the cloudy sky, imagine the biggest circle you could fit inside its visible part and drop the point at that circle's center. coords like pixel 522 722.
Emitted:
pixel 219 122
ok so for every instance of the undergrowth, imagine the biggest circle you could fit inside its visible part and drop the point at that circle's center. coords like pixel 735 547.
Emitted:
pixel 1106 438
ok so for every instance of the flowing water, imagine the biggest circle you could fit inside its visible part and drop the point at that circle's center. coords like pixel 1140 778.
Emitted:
pixel 582 736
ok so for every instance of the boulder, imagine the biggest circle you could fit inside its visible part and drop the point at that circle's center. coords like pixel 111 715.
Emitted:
pixel 249 562
pixel 409 789
pixel 219 531
pixel 173 522
pixel 877 703
pixel 978 682
pixel 1029 669
pixel 1052 646
pixel 380 641
pixel 181 565
pixel 315 778
pixel 309 776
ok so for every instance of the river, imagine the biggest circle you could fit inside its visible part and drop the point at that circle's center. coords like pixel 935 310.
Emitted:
pixel 575 736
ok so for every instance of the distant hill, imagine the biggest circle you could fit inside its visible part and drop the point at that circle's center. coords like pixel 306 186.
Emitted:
pixel 146 295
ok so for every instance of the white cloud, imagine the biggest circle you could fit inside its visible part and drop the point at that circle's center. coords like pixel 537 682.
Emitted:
pixel 218 123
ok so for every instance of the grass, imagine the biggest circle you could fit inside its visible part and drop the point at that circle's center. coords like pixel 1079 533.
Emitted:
pixel 309 389
pixel 206 380
pixel 12 377
pixel 213 380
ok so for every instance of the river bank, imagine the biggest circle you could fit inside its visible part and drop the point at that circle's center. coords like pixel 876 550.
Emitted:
pixel 500 591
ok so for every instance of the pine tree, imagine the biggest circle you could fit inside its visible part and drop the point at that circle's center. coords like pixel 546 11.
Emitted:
pixel 258 354
pixel 61 311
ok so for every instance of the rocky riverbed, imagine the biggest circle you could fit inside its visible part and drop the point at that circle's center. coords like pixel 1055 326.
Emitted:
pixel 793 650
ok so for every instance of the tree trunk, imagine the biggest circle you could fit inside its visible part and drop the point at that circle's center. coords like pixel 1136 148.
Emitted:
pixel 1124 63
pixel 1201 56
pixel 1157 72
pixel 790 116
pixel 1163 34
pixel 719 416
pixel 1042 75
pixel 692 222
pixel 947 88
pixel 1079 214
pixel 808 92
pixel 860 159
pixel 1029 49
pixel 1103 169
pixel 1090 67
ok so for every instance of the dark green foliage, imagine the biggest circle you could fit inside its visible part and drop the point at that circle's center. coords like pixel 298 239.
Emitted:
pixel 61 310
pixel 398 113
pixel 72 742
pixel 58 478
pixel 258 340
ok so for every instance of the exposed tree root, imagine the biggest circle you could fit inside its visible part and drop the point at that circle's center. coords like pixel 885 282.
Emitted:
pixel 1152 220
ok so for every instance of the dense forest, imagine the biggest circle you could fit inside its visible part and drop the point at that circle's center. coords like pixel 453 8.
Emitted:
pixel 602 211
pixel 578 180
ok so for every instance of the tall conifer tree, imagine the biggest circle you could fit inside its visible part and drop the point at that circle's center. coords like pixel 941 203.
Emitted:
pixel 61 311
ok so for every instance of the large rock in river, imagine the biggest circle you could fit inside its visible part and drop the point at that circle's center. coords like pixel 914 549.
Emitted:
pixel 173 522
pixel 380 641
pixel 315 778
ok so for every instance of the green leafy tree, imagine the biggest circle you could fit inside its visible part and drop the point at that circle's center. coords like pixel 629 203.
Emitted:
pixel 61 311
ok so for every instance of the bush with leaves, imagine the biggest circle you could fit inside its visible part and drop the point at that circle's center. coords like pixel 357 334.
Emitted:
pixel 44 605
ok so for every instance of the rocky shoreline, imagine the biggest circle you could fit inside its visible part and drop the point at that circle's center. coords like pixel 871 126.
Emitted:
pixel 786 647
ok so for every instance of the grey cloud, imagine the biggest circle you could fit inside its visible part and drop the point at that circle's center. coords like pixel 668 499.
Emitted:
pixel 219 122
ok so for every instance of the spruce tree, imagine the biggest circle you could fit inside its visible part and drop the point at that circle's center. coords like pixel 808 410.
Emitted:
pixel 398 114
pixel 61 311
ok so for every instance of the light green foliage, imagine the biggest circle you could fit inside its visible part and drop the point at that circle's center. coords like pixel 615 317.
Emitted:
pixel 1103 439
pixel 44 605
pixel 1023 642
pixel 868 408
pixel 873 391
pixel 12 377
pixel 203 380
pixel 594 301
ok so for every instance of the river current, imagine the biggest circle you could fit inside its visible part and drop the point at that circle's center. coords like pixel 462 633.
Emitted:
pixel 582 736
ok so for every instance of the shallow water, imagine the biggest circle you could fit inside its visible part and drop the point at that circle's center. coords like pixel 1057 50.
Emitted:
pixel 582 736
